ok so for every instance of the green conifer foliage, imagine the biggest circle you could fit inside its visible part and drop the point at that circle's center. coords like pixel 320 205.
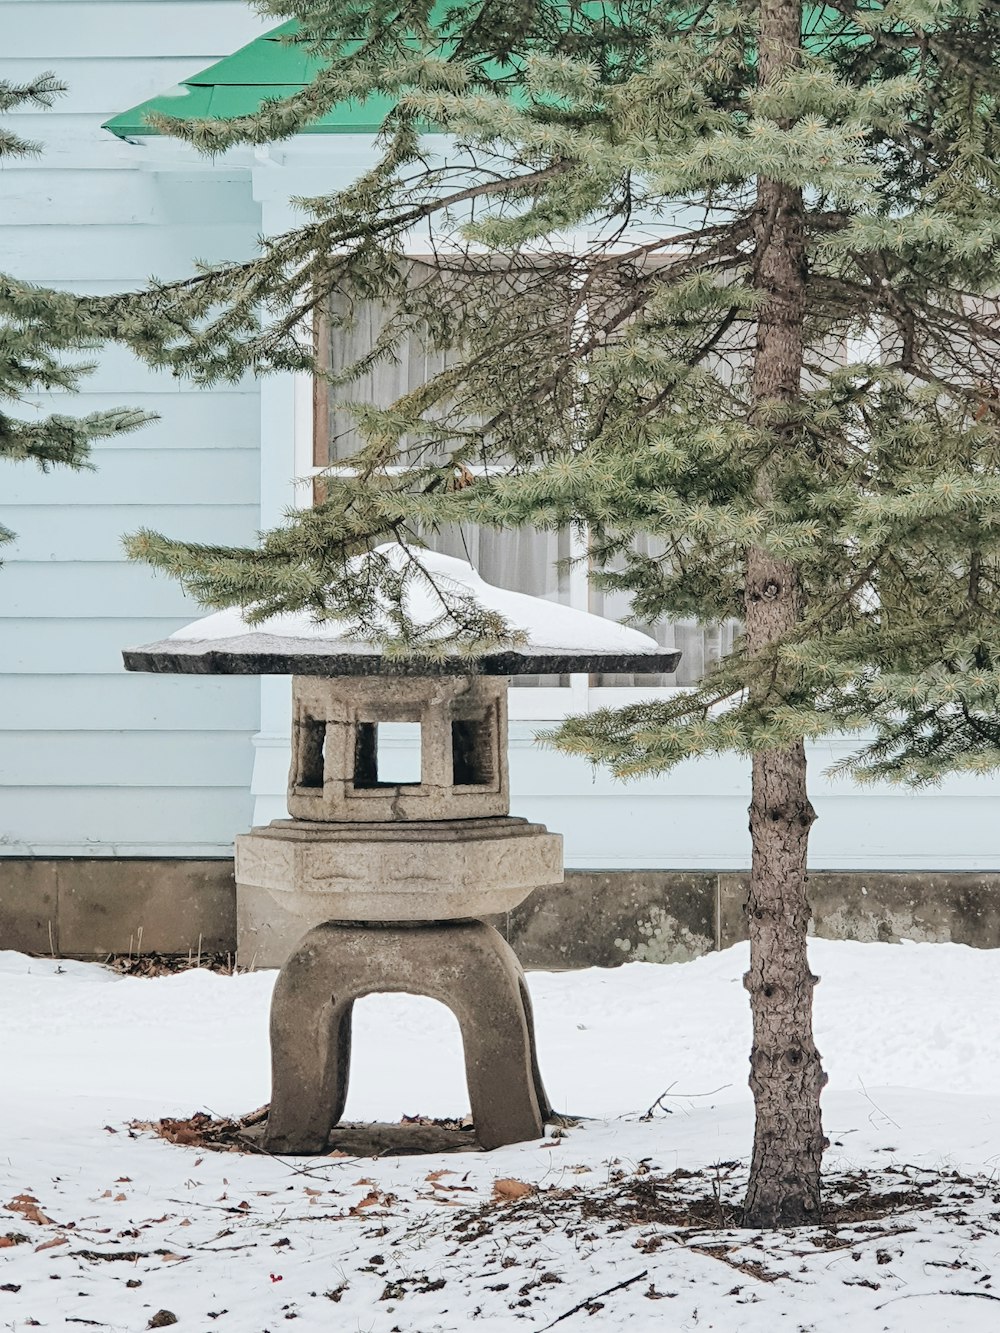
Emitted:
pixel 37 328
pixel 723 275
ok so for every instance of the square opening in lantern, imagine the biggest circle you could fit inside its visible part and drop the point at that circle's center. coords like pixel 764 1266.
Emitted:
pixel 311 757
pixel 387 754
pixel 472 757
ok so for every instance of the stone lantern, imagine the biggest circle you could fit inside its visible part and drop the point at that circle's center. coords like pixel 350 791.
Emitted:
pixel 375 884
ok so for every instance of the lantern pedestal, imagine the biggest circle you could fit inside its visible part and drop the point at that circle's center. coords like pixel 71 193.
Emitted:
pixel 464 964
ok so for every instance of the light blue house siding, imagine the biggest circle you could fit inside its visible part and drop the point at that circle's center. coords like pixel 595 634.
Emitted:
pixel 97 762
pixel 93 761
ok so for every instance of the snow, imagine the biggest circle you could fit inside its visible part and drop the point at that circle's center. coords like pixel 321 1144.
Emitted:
pixel 908 1035
pixel 548 627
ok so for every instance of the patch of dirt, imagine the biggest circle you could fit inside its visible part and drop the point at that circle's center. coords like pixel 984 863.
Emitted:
pixel 682 1205
pixel 410 1137
pixel 204 1131
pixel 413 1135
pixel 168 964
pixel 847 1201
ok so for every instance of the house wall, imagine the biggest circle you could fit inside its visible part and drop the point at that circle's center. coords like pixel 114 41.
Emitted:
pixel 94 761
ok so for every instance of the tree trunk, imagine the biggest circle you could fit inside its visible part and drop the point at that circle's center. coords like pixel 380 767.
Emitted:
pixel 786 1076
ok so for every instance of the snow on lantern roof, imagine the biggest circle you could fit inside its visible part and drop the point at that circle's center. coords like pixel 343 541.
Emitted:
pixel 557 638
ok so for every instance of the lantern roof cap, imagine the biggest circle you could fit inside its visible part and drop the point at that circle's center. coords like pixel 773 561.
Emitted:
pixel 554 638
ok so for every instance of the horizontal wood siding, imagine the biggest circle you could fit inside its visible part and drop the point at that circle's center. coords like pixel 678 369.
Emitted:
pixel 216 420
pixel 93 532
pixel 92 760
pixel 73 703
pixel 141 476
pixel 142 759
pixel 116 198
pixel 196 31
pixel 71 252
pixel 124 821
pixel 55 645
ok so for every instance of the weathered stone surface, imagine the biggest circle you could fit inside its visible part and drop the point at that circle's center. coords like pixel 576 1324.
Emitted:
pixel 463 748
pixel 731 913
pixel 138 906
pixel 300 658
pixel 28 906
pixel 883 905
pixel 604 918
pixel 291 876
pixel 270 924
pixel 464 964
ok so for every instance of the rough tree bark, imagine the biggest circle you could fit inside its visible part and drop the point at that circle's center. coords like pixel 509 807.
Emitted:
pixel 786 1076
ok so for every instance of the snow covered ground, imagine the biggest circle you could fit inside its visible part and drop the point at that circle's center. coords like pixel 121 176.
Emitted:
pixel 105 1228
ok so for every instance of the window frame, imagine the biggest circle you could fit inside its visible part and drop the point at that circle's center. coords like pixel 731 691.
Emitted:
pixel 539 703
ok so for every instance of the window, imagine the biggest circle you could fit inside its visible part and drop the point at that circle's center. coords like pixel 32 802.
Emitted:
pixel 527 560
pixel 387 754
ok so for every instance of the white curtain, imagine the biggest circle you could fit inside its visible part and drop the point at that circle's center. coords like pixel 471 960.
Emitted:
pixel 699 645
pixel 381 385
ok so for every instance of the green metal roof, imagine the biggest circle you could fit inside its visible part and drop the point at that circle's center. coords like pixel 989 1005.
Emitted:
pixel 267 67
pixel 272 67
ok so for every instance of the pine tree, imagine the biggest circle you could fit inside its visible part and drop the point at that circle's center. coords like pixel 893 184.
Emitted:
pixel 37 327
pixel 723 276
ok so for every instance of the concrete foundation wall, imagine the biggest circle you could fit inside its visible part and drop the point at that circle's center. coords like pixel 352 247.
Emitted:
pixel 92 907
pixel 89 907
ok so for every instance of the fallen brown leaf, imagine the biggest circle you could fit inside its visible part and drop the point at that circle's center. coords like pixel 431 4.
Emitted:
pixel 50 1244
pixel 180 1134
pixel 369 1201
pixel 507 1190
pixel 27 1206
